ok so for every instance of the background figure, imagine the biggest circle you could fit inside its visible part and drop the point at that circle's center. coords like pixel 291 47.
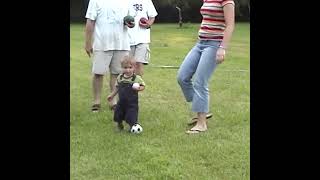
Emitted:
pixel 140 34
pixel 214 35
pixel 106 39
pixel 128 106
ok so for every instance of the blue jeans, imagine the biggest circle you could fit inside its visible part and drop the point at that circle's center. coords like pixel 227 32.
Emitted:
pixel 199 64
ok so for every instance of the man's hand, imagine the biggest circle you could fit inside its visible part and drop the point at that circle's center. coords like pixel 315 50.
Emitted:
pixel 144 24
pixel 129 24
pixel 89 50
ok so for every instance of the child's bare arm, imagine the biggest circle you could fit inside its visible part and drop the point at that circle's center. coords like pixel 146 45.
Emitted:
pixel 113 93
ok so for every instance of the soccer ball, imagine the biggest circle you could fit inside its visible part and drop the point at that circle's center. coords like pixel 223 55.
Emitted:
pixel 136 129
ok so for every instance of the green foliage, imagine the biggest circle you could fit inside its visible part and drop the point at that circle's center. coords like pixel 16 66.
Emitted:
pixel 190 9
pixel 163 150
pixel 167 10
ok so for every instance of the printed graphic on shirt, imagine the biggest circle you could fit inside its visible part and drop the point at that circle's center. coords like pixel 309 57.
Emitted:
pixel 138 7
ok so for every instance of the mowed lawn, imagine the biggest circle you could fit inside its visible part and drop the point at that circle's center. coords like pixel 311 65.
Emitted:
pixel 164 151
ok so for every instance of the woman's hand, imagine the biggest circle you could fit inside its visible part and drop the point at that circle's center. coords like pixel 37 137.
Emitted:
pixel 220 55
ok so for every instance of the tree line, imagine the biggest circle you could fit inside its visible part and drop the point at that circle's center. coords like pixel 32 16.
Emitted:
pixel 168 10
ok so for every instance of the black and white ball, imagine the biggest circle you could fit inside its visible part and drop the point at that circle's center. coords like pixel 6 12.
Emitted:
pixel 136 129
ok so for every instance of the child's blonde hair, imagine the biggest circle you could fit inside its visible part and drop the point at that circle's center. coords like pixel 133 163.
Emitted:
pixel 128 60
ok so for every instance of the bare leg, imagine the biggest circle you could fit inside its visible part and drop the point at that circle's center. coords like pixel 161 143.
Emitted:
pixel 139 68
pixel 112 84
pixel 113 79
pixel 97 82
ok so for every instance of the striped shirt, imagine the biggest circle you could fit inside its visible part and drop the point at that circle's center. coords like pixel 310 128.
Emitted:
pixel 213 22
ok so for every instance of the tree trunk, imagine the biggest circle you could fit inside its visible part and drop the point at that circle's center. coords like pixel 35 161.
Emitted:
pixel 180 16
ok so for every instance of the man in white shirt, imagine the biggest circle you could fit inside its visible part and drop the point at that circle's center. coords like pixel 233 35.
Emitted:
pixel 107 40
pixel 140 34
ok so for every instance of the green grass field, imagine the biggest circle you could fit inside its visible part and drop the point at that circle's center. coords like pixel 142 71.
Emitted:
pixel 163 151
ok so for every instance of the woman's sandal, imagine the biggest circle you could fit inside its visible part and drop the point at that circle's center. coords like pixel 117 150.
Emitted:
pixel 195 119
pixel 195 131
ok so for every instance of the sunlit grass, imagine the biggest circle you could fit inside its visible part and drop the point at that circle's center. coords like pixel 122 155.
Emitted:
pixel 163 150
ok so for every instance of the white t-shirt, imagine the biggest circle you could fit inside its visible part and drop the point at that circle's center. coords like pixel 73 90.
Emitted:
pixel 139 9
pixel 109 31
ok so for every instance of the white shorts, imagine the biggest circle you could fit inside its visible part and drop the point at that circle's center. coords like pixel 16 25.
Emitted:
pixel 103 61
pixel 141 52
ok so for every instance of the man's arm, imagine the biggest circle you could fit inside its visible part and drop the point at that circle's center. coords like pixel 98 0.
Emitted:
pixel 151 20
pixel 88 36
pixel 148 23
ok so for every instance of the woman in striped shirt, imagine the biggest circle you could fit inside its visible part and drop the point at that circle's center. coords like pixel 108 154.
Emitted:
pixel 214 35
